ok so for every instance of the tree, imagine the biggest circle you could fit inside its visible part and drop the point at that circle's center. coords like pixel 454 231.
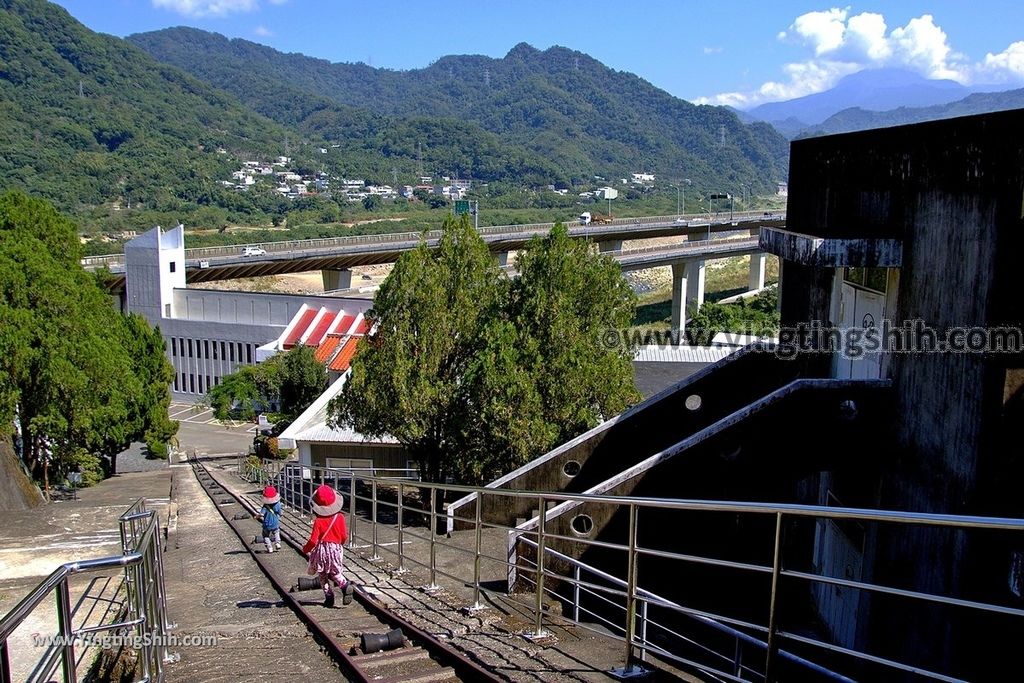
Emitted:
pixel 372 201
pixel 83 380
pixel 475 374
pixel 291 380
pixel 407 378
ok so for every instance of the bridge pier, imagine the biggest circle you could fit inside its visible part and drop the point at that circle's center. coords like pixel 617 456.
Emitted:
pixel 678 302
pixel 336 279
pixel 687 288
pixel 502 258
pixel 757 271
pixel 609 245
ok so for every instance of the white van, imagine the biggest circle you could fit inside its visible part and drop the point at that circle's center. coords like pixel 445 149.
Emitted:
pixel 253 251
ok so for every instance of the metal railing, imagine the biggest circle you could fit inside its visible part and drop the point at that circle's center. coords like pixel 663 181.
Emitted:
pixel 648 624
pixel 202 253
pixel 142 609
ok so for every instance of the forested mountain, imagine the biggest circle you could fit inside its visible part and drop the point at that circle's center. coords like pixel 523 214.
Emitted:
pixel 579 115
pixel 87 119
pixel 860 119
pixel 91 123
pixel 95 124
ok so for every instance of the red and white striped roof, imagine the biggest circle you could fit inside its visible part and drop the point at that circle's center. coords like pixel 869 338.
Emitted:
pixel 333 334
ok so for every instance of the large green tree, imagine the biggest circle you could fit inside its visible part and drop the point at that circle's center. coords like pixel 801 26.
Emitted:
pixel 293 380
pixel 476 374
pixel 81 379
pixel 408 378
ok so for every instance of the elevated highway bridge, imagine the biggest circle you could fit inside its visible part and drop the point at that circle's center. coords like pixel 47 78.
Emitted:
pixel 340 254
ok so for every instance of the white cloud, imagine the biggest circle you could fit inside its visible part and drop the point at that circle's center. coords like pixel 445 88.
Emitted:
pixel 842 43
pixel 712 50
pixel 1007 65
pixel 207 8
pixel 263 31
pixel 923 46
pixel 823 30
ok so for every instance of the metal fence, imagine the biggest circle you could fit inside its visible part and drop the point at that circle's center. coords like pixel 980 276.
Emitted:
pixel 135 605
pixel 625 603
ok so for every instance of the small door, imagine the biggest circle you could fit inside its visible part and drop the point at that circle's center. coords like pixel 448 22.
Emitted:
pixel 858 309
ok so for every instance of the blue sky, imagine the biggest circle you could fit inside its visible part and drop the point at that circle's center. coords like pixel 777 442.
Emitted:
pixel 727 52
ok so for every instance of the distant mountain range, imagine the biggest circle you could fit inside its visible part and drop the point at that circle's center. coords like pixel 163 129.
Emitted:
pixel 559 105
pixel 878 97
pixel 96 124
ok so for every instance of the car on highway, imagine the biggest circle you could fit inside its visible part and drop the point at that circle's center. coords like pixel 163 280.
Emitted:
pixel 253 251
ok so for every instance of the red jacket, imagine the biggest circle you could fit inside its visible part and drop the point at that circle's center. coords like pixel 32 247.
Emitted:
pixel 338 533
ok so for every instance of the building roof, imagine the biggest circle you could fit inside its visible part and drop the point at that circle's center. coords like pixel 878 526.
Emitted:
pixel 333 333
pixel 312 424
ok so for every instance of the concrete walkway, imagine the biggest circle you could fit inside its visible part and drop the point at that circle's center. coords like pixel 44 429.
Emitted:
pixel 215 590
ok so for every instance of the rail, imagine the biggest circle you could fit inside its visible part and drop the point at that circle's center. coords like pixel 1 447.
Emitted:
pixel 142 610
pixel 647 624
pixel 527 229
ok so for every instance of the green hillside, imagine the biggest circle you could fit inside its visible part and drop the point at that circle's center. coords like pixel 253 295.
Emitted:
pixel 574 112
pixel 88 120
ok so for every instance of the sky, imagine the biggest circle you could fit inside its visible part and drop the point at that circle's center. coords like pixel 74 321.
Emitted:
pixel 736 52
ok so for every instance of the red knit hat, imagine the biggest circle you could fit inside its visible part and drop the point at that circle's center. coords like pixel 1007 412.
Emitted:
pixel 326 501
pixel 270 495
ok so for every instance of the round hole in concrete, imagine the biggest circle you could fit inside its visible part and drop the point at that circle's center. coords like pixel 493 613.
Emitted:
pixel 571 468
pixel 693 402
pixel 582 525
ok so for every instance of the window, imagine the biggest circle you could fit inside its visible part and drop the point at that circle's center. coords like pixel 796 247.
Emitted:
pixel 223 353
pixel 215 350
pixel 174 347
pixel 183 384
pixel 868 278
pixel 189 348
pixel 208 383
pixel 175 381
pixel 231 348
pixel 192 383
pixel 206 349
pixel 248 354
pixel 167 310
pixel 174 266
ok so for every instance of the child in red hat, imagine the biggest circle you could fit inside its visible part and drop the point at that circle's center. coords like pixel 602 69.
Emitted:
pixel 325 544
pixel 270 515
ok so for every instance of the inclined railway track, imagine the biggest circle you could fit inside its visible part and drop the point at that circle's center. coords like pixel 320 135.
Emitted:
pixel 423 658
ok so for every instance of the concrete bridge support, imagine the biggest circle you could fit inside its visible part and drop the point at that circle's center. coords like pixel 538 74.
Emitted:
pixel 695 283
pixel 678 301
pixel 687 290
pixel 502 258
pixel 336 279
pixel 757 270
pixel 609 245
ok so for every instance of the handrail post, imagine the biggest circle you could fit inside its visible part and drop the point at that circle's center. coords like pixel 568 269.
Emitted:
pixel 67 654
pixel 538 630
pixel 141 613
pixel 373 520
pixel 5 663
pixel 351 506
pixel 433 540
pixel 476 554
pixel 576 593
pixel 401 548
pixel 631 591
pixel 773 645
pixel 643 630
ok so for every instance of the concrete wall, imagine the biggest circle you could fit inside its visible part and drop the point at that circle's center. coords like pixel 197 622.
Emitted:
pixel 657 423
pixel 951 191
